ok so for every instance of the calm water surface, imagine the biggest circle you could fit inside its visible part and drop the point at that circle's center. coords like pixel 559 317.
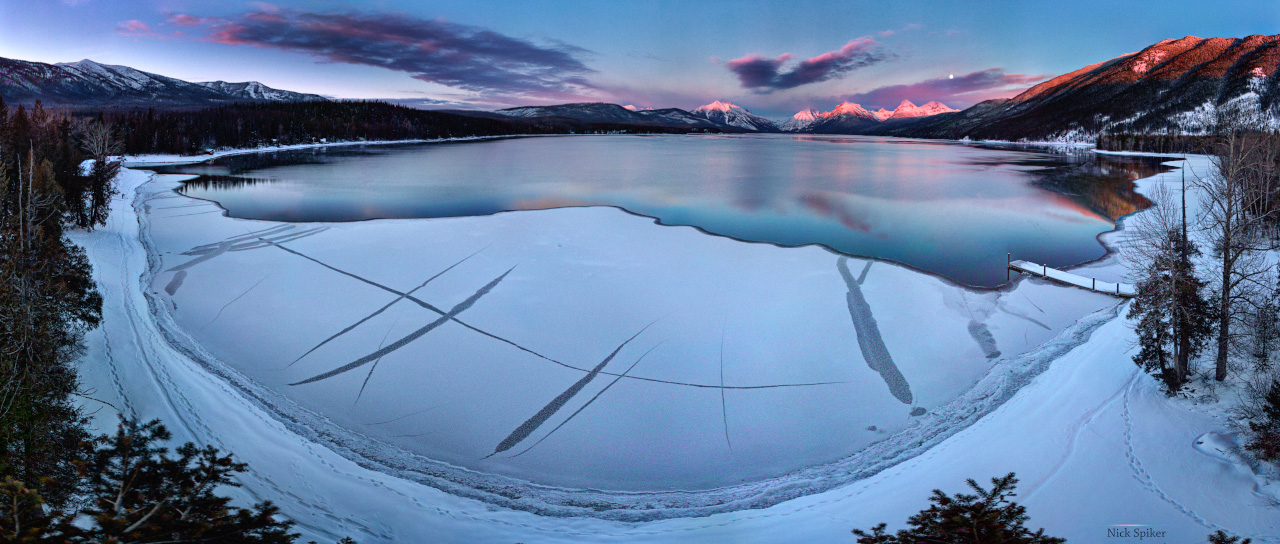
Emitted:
pixel 947 208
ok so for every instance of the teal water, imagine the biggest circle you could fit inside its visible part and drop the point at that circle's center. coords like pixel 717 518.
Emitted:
pixel 946 208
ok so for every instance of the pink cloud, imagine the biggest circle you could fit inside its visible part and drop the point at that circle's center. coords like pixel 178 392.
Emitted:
pixel 955 91
pixel 765 75
pixel 184 19
pixel 134 27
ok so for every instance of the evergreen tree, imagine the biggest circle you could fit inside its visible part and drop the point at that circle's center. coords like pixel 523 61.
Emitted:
pixel 1221 537
pixel 23 518
pixel 984 517
pixel 138 492
pixel 1265 439
pixel 1172 313
pixel 49 302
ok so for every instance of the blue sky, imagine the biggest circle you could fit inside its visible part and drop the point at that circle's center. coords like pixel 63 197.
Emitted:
pixel 774 58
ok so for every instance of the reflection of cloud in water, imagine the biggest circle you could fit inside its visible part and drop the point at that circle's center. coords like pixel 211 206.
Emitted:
pixel 920 203
pixel 828 206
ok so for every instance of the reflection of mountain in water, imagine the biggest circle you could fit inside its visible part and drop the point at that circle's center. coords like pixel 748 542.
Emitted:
pixel 936 206
pixel 1103 184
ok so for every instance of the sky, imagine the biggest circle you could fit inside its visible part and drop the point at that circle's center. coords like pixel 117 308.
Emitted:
pixel 773 58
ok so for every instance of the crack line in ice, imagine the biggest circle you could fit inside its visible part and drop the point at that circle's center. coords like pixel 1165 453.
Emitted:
pixel 872 345
pixel 416 300
pixel 642 378
pixel 233 301
pixel 462 306
pixel 209 251
pixel 395 419
pixel 253 234
pixel 532 424
pixel 589 401
pixel 1024 317
pixel 1029 301
pixel 724 410
pixel 374 366
pixel 204 255
pixel 433 308
pixel 262 242
pixel 377 312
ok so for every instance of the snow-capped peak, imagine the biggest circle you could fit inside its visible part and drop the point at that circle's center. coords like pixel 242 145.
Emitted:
pixel 933 107
pixel 634 107
pixel 907 109
pixel 734 115
pixel 807 115
pixel 802 120
pixel 850 108
pixel 719 106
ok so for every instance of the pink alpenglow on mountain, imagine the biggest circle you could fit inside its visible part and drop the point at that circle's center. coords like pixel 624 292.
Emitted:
pixel 802 120
pixel 906 109
pixel 719 106
pixel 735 116
pixel 850 116
pixel 849 108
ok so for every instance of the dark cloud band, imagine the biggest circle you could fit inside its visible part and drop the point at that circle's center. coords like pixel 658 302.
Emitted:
pixel 765 74
pixel 455 55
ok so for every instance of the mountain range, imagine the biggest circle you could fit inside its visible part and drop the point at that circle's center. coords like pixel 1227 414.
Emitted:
pixel 600 112
pixel 1172 87
pixel 1176 86
pixel 88 84
pixel 851 118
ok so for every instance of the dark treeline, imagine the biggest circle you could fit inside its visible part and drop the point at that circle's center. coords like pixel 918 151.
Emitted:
pixel 58 482
pixel 250 125
pixel 1155 143
pixel 1176 143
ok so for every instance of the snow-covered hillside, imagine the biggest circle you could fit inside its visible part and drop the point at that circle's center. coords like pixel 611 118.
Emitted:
pixel 1174 86
pixel 734 116
pixel 802 120
pixel 256 91
pixel 87 83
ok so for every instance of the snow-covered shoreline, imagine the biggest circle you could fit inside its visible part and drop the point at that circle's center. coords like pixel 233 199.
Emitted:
pixel 1087 395
pixel 162 159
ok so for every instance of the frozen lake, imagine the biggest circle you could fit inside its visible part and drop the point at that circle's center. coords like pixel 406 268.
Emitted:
pixel 950 209
pixel 588 361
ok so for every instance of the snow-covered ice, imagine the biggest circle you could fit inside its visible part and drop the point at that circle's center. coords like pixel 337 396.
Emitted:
pixel 585 348
pixel 1034 379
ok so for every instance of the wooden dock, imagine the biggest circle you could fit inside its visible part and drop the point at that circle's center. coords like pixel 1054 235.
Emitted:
pixel 1123 290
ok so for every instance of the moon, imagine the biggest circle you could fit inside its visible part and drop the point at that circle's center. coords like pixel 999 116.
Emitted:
pixel 951 76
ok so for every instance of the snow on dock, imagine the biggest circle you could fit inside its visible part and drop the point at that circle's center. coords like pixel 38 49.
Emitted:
pixel 1092 284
